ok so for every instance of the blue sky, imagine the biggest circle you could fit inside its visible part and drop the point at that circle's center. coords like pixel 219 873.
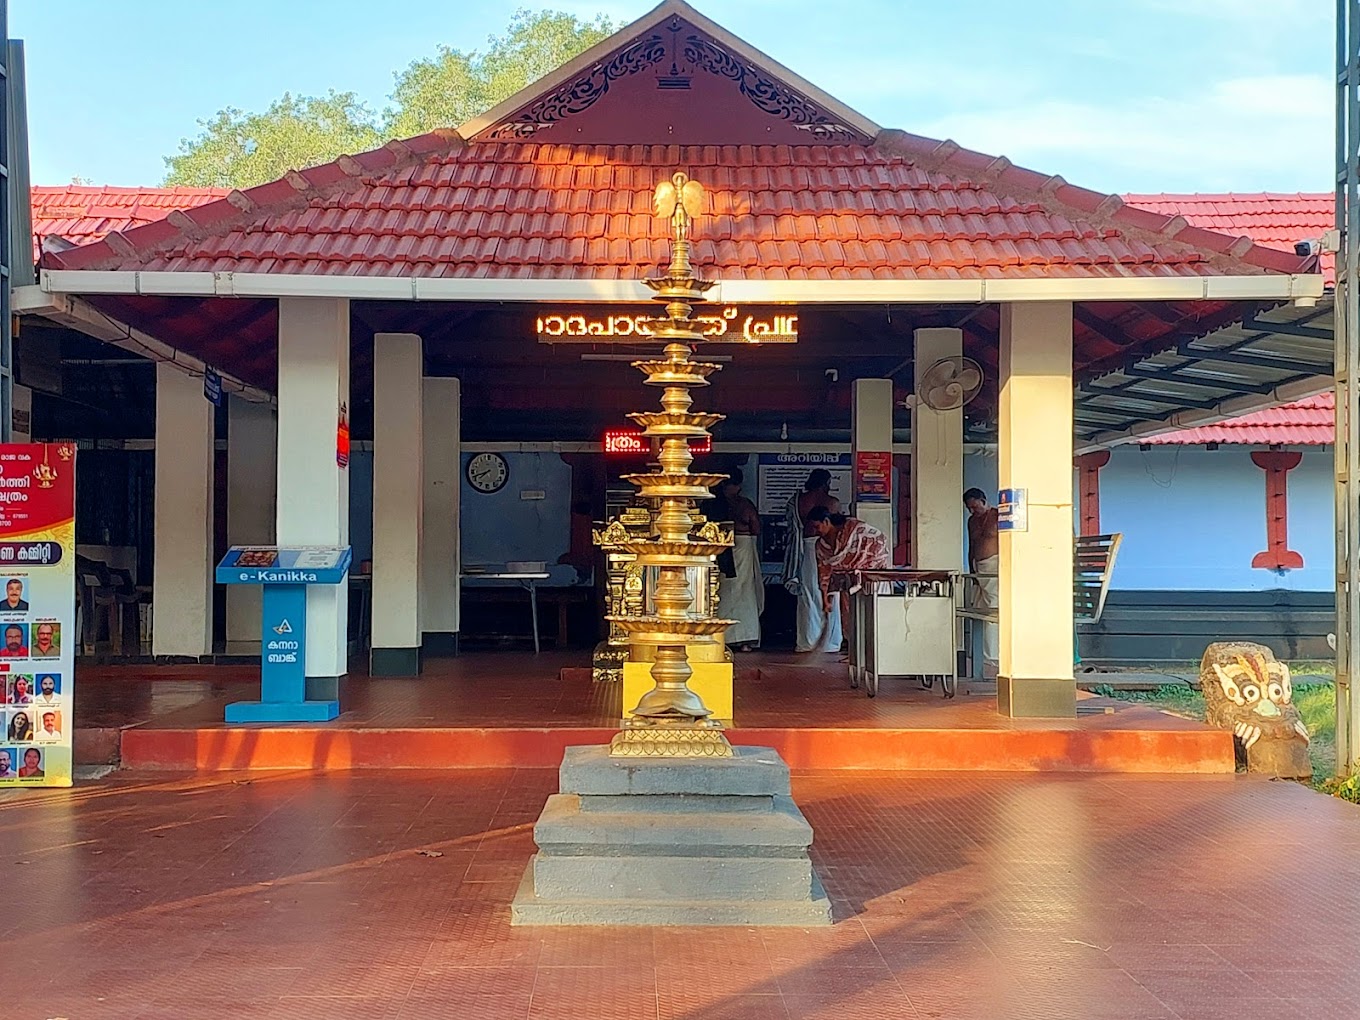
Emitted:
pixel 1117 95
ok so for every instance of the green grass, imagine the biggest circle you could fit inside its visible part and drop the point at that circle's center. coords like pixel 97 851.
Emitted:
pixel 1316 704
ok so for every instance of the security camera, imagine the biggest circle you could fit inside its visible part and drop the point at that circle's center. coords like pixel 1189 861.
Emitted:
pixel 1303 248
pixel 833 375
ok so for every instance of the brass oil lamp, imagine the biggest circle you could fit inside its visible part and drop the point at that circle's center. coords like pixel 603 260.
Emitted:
pixel 671 720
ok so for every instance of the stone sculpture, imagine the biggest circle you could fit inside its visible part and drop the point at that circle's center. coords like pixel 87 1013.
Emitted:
pixel 1247 691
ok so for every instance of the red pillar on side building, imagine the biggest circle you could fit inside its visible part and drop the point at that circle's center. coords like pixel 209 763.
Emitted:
pixel 1088 484
pixel 1277 554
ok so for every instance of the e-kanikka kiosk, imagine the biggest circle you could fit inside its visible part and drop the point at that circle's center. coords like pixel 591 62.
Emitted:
pixel 284 574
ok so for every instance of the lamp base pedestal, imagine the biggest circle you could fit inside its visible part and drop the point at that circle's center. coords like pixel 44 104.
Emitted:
pixel 672 841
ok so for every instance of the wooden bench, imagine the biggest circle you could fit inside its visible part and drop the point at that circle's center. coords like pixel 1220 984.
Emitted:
pixel 1093 566
pixel 1094 562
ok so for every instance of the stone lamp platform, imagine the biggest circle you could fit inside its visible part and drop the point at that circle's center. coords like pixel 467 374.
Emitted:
pixel 672 841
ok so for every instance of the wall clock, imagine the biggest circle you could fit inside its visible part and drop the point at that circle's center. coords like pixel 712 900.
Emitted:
pixel 488 472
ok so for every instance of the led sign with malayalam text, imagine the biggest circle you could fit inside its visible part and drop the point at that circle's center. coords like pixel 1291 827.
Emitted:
pixel 728 324
pixel 632 443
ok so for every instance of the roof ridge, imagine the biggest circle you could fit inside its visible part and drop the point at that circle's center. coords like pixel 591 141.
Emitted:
pixel 1234 195
pixel 1107 211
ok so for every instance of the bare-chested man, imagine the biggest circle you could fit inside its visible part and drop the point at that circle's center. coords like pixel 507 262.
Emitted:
pixel 742 596
pixel 818 629
pixel 984 557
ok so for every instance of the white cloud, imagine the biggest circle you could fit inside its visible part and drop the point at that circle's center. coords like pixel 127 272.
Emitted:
pixel 1271 132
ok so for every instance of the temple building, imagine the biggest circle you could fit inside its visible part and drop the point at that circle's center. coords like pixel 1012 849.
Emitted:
pixel 423 351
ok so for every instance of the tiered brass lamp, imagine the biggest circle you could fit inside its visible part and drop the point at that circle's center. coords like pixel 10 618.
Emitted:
pixel 671 720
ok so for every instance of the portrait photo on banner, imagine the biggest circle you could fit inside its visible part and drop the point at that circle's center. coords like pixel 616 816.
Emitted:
pixel 49 726
pixel 32 767
pixel 46 640
pixel 21 688
pixel 47 689
pixel 16 595
pixel 20 728
pixel 15 645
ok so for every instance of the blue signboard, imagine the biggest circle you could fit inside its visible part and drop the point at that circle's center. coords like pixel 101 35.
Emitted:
pixel 285 574
pixel 1012 510
pixel 245 564
pixel 212 387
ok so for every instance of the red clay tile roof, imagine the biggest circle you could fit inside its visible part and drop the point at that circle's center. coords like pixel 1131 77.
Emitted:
pixel 437 206
pixel 1276 221
pixel 1302 423
pixel 81 214
pixel 1268 218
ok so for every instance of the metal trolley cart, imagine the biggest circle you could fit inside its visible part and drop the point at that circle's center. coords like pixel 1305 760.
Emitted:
pixel 904 626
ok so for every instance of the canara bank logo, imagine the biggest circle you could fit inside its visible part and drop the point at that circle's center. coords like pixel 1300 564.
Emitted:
pixel 284 628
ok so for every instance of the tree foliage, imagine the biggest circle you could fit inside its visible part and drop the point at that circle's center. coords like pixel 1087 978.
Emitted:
pixel 239 150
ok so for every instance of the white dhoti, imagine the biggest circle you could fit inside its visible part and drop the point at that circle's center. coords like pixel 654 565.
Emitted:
pixel 742 598
pixel 818 630
pixel 986 598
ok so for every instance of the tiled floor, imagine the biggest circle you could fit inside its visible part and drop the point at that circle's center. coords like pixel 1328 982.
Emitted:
pixel 511 689
pixel 957 896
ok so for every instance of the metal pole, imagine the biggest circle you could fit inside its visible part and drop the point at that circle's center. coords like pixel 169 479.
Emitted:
pixel 1347 367
pixel 7 252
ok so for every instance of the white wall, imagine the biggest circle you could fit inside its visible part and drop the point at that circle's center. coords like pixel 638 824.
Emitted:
pixel 1193 518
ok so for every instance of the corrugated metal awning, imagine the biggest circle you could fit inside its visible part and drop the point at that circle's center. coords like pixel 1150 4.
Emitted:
pixel 1271 357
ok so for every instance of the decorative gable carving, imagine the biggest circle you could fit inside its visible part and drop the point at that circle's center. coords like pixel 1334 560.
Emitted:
pixel 690 85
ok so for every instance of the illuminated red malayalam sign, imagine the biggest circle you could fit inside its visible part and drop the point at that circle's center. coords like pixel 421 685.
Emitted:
pixel 631 443
pixel 726 324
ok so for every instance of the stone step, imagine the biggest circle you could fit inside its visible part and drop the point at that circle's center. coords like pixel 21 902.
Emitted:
pixel 671 878
pixel 530 909
pixel 563 829
pixel 751 772
pixel 675 803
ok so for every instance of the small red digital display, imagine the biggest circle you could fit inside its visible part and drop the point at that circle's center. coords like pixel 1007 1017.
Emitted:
pixel 630 443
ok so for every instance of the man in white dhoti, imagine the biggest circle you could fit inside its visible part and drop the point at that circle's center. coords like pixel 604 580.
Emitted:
pixel 818 629
pixel 984 557
pixel 741 597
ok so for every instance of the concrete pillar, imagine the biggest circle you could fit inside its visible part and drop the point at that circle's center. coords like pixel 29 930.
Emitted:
pixel 182 576
pixel 398 468
pixel 871 431
pixel 440 553
pixel 1035 454
pixel 252 438
pixel 936 463
pixel 313 487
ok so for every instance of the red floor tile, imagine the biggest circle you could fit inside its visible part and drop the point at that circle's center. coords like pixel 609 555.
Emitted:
pixel 961 896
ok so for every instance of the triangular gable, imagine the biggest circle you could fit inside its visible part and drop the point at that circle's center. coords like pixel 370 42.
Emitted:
pixel 672 78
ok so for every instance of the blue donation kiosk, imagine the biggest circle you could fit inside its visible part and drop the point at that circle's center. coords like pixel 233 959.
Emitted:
pixel 285 574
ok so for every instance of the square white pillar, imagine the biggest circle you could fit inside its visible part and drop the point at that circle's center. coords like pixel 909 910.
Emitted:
pixel 313 487
pixel 936 463
pixel 871 431
pixel 1035 454
pixel 440 552
pixel 398 486
pixel 252 438
pixel 182 574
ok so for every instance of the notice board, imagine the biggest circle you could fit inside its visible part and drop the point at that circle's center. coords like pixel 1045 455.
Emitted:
pixel 781 476
pixel 37 612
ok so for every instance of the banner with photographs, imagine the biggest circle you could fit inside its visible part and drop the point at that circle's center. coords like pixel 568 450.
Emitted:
pixel 37 609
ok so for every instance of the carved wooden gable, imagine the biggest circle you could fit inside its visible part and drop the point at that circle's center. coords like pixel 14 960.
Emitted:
pixel 674 83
